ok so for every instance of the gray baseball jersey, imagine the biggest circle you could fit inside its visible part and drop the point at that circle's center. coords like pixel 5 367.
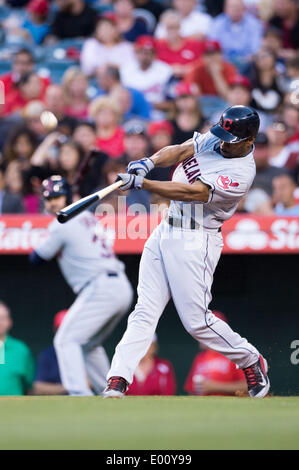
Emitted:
pixel 229 180
pixel 83 249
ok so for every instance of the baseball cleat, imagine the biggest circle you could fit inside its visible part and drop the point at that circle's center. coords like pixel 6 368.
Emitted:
pixel 257 379
pixel 116 388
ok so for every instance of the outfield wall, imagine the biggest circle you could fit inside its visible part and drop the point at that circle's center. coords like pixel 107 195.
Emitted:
pixel 258 293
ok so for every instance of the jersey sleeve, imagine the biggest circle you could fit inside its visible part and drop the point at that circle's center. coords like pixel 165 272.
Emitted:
pixel 53 243
pixel 199 141
pixel 225 186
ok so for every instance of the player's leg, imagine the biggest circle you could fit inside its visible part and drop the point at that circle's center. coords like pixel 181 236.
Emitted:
pixel 67 343
pixel 153 295
pixel 96 360
pixel 192 297
pixel 97 366
pixel 95 306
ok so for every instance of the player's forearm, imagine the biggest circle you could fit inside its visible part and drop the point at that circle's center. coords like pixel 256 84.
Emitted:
pixel 178 191
pixel 173 154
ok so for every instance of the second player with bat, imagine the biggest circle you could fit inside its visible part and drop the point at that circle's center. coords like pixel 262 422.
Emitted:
pixel 85 255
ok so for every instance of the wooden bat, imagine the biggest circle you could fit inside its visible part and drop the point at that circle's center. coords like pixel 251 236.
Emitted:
pixel 79 206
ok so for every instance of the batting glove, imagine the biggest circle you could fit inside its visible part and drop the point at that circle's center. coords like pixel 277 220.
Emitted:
pixel 130 181
pixel 140 167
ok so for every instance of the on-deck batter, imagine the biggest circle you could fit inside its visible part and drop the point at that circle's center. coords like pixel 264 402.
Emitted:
pixel 215 171
pixel 87 261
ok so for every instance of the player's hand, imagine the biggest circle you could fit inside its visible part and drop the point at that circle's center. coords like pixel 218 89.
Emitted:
pixel 140 167
pixel 130 181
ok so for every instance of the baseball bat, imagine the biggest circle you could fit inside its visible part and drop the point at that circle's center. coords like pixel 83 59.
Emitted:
pixel 79 206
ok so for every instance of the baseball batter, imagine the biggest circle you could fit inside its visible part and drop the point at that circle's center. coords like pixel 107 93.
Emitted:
pixel 104 294
pixel 215 170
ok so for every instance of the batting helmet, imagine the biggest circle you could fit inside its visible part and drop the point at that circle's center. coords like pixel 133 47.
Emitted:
pixel 56 186
pixel 237 123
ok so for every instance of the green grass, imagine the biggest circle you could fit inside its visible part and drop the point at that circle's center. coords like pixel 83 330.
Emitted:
pixel 149 423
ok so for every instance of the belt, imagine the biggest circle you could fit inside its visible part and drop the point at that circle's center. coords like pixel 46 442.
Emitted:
pixel 112 274
pixel 189 224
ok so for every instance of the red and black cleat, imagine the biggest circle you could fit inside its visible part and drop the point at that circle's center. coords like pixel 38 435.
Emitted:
pixel 116 388
pixel 257 379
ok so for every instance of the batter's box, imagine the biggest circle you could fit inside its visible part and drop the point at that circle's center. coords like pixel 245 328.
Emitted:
pixel 2 353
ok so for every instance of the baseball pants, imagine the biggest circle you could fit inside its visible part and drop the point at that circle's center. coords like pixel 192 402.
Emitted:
pixel 89 321
pixel 176 264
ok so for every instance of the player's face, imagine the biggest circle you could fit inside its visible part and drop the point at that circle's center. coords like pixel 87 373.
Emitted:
pixel 239 149
pixel 55 204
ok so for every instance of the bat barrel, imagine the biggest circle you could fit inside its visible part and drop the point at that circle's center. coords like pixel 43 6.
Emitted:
pixel 76 208
pixel 79 206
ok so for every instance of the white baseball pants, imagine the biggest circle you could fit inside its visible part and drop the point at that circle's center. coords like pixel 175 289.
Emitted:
pixel 175 264
pixel 89 321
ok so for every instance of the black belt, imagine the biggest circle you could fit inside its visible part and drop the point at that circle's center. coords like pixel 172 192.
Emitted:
pixel 112 274
pixel 178 222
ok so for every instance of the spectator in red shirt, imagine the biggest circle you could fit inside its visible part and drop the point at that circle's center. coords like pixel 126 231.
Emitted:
pixel 213 374
pixel 22 64
pixel 175 50
pixel 110 135
pixel 30 87
pixel 211 73
pixel 153 376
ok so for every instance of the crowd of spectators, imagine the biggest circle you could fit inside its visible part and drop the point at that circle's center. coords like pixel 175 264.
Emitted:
pixel 137 75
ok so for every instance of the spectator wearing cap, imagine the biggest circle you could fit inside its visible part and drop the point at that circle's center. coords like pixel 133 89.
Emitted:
pixel 136 142
pixel 130 27
pixel 213 374
pixel 17 366
pixel 153 376
pixel 175 50
pixel 136 146
pixel 212 73
pixel 47 379
pixel 266 92
pixel 74 19
pixel 105 113
pixel 194 23
pixel 187 116
pixel 148 75
pixel 37 25
pixel 239 33
pixel 108 81
pixel 105 47
pixel 284 201
pixel 286 19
